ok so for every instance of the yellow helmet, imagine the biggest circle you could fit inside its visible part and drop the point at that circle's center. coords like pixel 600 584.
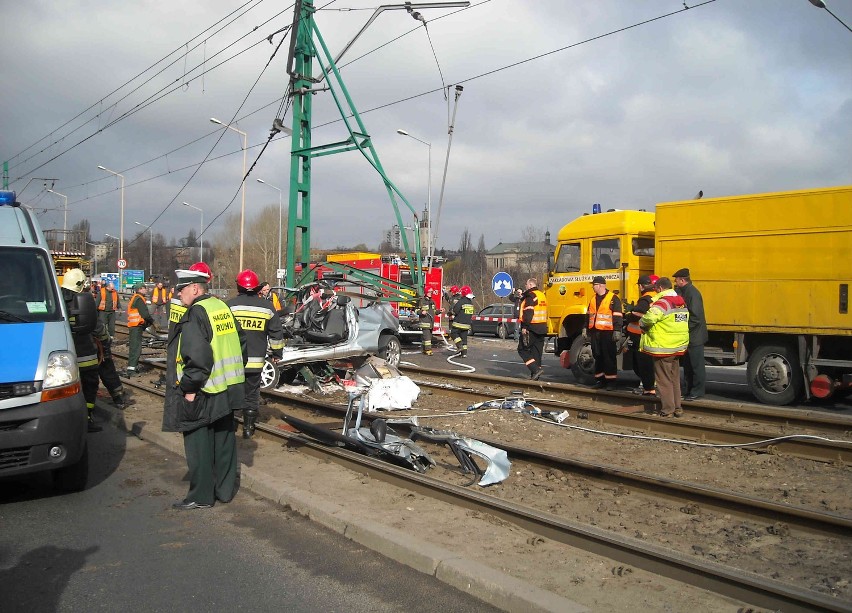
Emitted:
pixel 74 280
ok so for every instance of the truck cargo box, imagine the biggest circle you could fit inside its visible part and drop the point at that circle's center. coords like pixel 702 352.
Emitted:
pixel 776 262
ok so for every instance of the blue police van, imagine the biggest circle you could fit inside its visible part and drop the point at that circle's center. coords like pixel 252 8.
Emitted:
pixel 43 417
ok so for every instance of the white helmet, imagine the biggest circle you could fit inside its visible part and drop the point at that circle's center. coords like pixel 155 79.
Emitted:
pixel 74 280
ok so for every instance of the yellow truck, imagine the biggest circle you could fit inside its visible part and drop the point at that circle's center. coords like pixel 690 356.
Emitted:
pixel 774 271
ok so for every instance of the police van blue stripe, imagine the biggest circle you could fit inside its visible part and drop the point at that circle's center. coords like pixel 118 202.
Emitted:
pixel 20 350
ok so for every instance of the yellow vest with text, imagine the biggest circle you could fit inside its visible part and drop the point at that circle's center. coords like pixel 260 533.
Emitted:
pixel 227 353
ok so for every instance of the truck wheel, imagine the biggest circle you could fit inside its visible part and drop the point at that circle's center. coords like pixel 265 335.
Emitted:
pixel 390 349
pixel 270 376
pixel 582 361
pixel 774 376
pixel 502 332
pixel 73 478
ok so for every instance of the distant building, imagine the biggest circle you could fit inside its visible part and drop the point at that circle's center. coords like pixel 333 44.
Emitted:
pixel 393 237
pixel 507 256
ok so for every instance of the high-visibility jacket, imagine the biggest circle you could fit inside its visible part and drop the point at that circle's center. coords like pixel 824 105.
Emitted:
pixel 666 326
pixel 533 311
pixel 600 318
pixel 171 295
pixel 159 295
pixel 642 306
pixel 176 311
pixel 227 352
pixel 133 317
pixel 103 305
pixel 262 328
pixel 462 313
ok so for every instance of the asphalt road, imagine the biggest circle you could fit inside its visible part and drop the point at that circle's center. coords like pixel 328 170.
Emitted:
pixel 118 546
pixel 491 355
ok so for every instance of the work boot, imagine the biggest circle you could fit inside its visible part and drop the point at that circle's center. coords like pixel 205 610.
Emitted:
pixel 92 426
pixel 463 353
pixel 537 374
pixel 249 419
pixel 427 352
pixel 119 402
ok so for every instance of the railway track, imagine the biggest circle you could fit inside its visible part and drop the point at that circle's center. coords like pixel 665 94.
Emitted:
pixel 741 585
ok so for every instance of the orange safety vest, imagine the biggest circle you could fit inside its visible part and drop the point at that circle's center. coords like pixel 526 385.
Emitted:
pixel 601 319
pixel 633 326
pixel 102 304
pixel 133 317
pixel 171 294
pixel 158 295
pixel 539 309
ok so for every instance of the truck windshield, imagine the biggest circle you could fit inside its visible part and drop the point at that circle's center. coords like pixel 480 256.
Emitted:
pixel 27 285
pixel 568 259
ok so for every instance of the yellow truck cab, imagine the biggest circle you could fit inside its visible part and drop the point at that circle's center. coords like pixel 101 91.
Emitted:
pixel 617 245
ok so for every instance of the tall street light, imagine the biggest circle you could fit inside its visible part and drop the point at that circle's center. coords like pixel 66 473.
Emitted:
pixel 200 229
pixel 94 257
pixel 280 219
pixel 820 4
pixel 243 208
pixel 121 230
pixel 150 248
pixel 65 223
pixel 428 197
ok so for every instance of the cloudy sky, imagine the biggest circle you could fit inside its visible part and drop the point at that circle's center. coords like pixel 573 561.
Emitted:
pixel 728 96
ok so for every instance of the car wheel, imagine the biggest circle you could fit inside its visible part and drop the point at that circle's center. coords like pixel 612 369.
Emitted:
pixel 73 478
pixel 502 332
pixel 270 376
pixel 390 349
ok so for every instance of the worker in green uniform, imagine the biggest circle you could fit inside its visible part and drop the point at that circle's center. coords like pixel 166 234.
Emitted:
pixel 205 377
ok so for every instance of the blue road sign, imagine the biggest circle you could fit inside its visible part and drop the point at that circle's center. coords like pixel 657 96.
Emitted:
pixel 502 284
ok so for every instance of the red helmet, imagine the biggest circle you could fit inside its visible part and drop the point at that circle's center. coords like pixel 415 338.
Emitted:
pixel 465 290
pixel 654 279
pixel 454 289
pixel 248 279
pixel 202 268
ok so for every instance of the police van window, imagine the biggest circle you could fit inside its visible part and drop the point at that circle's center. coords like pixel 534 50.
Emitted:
pixel 606 254
pixel 27 286
pixel 643 246
pixel 568 259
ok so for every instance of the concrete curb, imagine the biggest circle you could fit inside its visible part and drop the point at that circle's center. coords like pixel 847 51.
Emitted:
pixel 494 587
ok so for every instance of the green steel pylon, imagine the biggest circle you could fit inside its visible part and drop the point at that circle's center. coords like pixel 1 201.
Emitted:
pixel 306 44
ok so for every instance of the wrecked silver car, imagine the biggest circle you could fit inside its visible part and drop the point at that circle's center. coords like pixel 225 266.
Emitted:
pixel 323 326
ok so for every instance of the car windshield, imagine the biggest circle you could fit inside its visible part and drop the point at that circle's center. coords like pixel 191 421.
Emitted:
pixel 27 290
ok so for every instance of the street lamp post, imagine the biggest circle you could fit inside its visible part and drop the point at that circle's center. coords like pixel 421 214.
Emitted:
pixel 94 257
pixel 428 197
pixel 820 4
pixel 65 223
pixel 200 229
pixel 150 248
pixel 121 230
pixel 280 218
pixel 243 208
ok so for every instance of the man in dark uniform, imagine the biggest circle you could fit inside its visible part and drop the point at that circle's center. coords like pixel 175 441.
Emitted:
pixel 83 320
pixel 205 384
pixel 462 315
pixel 603 329
pixel 693 361
pixel 262 327
pixel 533 324
pixel 643 363
pixel 426 320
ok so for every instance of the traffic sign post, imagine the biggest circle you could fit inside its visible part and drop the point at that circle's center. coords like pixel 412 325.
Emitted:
pixel 502 284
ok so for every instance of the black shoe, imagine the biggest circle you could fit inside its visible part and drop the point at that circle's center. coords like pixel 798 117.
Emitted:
pixel 463 354
pixel 537 374
pixel 93 427
pixel 597 385
pixel 185 505
pixel 691 397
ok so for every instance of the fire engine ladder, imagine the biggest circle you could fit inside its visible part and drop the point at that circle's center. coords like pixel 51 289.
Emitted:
pixel 387 290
